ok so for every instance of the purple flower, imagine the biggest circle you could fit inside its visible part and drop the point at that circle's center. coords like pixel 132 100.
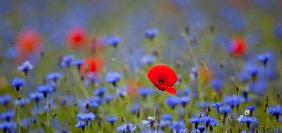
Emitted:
pixel 233 101
pixel 173 101
pixel 54 77
pixel 217 84
pixel 67 61
pixel 100 92
pixel 112 119
pixel 151 33
pixel 148 59
pixel 275 111
pixel 114 41
pixel 8 116
pixel 126 128
pixel 5 99
pixel 113 78
pixel 145 92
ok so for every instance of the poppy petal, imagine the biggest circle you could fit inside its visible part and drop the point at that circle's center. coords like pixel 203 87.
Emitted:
pixel 171 90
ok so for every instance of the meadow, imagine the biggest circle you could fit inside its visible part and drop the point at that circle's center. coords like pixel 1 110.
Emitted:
pixel 148 66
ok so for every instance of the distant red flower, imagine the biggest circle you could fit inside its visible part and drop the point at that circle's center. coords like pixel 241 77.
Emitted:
pixel 163 77
pixel 91 65
pixel 28 42
pixel 77 37
pixel 239 47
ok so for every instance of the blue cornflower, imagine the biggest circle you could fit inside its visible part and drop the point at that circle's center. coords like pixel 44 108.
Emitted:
pixel 184 100
pixel 100 92
pixel 264 58
pixel 195 121
pixel 145 92
pixel 275 111
pixel 18 83
pixel 86 117
pixel 25 67
pixel 217 84
pixel 36 96
pixel 122 92
pixel 201 129
pixel 259 87
pixel 109 98
pixel 54 77
pixel 5 99
pixel 251 109
pixel 27 122
pixel 112 119
pixel 216 106
pixel 173 101
pixel 8 116
pixel 126 128
pixel 113 78
pixel 148 59
pixel 114 41
pixel 250 72
pixel 249 121
pixel 8 127
pixel 78 63
pixel 178 127
pixel 151 33
pixel 67 61
pixel 135 109
pixel 45 89
pixel 22 102
pixel 233 101
pixel 167 117
pixel 225 110
pixel 208 121
pixel 80 124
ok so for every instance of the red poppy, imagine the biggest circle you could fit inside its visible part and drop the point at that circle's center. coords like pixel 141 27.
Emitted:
pixel 77 37
pixel 91 65
pixel 163 77
pixel 239 47
pixel 28 42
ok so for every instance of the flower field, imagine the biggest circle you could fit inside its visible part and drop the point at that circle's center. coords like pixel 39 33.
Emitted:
pixel 148 66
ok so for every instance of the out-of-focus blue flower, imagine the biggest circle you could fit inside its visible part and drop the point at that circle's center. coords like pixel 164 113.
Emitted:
pixel 87 117
pixel 45 89
pixel 67 61
pixel 5 99
pixel 28 122
pixel 151 33
pixel 122 92
pixel 249 121
pixel 173 101
pixel 36 96
pixel 225 110
pixel 109 98
pixel 114 41
pixel 25 67
pixel 264 58
pixel 135 109
pixel 54 77
pixel 233 101
pixel 145 92
pixel 148 59
pixel 22 102
pixel 201 129
pixel 278 31
pixel 167 117
pixel 112 119
pixel 259 87
pixel 195 121
pixel 113 77
pixel 185 92
pixel 251 109
pixel 8 116
pixel 100 92
pixel 126 128
pixel 17 83
pixel 78 63
pixel 184 100
pixel 8 126
pixel 80 124
pixel 178 127
pixel 217 105
pixel 217 84
pixel 275 111
pixel 251 71
pixel 204 105
pixel 208 121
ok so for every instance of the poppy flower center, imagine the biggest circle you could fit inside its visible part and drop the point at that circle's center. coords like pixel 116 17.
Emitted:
pixel 161 81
